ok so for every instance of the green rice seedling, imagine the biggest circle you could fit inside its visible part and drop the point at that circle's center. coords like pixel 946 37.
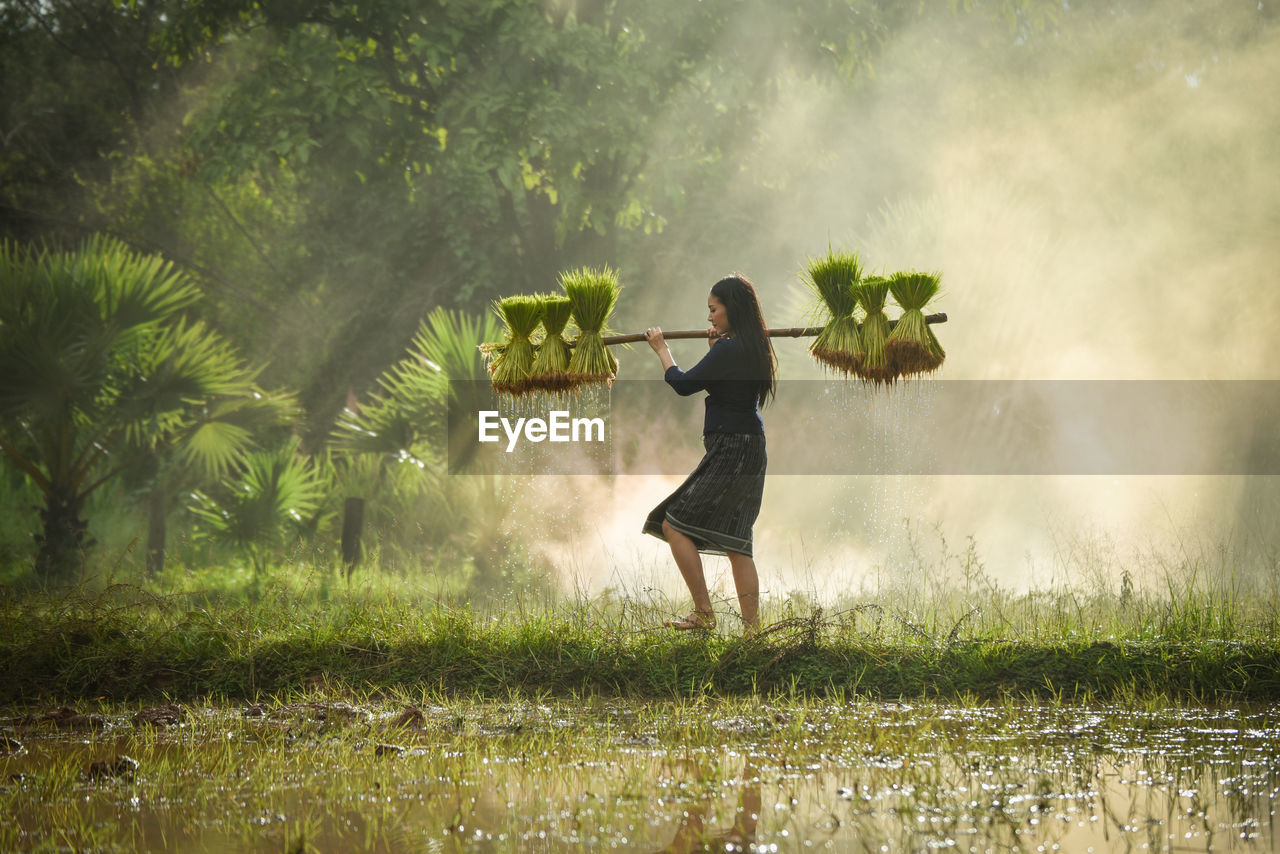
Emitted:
pixel 912 348
pixel 551 363
pixel 833 278
pixel 514 361
pixel 875 366
pixel 592 295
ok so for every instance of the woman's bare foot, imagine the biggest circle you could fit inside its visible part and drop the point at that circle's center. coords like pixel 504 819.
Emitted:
pixel 697 621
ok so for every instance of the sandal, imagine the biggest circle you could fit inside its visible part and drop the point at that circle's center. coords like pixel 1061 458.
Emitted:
pixel 702 621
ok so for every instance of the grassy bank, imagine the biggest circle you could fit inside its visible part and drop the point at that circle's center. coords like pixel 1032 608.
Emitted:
pixel 124 643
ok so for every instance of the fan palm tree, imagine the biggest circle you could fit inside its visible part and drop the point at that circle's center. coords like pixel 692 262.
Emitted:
pixel 100 368
pixel 209 449
pixel 408 417
pixel 253 511
pixel 395 443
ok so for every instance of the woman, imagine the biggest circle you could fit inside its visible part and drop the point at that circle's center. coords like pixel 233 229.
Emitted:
pixel 714 509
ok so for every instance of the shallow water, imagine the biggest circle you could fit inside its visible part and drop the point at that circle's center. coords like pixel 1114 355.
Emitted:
pixel 732 775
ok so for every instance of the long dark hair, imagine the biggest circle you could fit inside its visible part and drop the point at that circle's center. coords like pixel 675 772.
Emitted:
pixel 747 324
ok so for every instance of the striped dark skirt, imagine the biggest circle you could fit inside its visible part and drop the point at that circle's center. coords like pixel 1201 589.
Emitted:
pixel 718 503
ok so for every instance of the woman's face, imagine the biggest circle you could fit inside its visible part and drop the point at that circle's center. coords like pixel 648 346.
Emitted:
pixel 717 316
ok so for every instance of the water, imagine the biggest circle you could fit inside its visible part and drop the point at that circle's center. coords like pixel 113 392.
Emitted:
pixel 876 428
pixel 646 776
pixel 541 483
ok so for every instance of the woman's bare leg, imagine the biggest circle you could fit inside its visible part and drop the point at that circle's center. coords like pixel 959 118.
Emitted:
pixel 690 563
pixel 747 582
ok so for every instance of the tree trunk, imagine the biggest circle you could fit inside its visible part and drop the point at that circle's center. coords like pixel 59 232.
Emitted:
pixel 62 540
pixel 156 531
pixel 352 527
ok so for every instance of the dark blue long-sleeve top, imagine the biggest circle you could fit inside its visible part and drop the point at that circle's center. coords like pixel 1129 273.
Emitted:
pixel 731 390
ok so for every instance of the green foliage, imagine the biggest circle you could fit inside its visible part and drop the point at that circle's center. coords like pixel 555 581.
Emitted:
pixel 267 502
pixel 99 368
pixel 530 128
pixel 391 450
pixel 406 419
pixel 75 79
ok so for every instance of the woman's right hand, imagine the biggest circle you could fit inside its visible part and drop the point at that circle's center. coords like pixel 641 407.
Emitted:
pixel 659 344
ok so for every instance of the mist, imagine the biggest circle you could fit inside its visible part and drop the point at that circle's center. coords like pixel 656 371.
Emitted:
pixel 1095 184
pixel 1100 198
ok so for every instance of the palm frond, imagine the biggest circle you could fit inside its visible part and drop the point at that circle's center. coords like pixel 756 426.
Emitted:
pixel 273 491
pixel 214 447
pixel 412 403
pixel 218 435
pixel 133 290
pixel 176 372
pixel 451 340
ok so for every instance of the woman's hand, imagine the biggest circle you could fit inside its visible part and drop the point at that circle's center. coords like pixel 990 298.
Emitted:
pixel 712 335
pixel 659 344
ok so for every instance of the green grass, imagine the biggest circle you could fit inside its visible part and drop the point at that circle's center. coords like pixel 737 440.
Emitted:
pixel 1194 645
pixel 388 712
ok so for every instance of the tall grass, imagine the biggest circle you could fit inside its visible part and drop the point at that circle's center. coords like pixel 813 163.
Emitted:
pixel 1190 642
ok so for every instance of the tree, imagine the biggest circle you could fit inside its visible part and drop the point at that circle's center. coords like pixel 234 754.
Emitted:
pixel 510 134
pixel 394 449
pixel 79 80
pixel 99 368
pixel 447 153
pixel 335 171
pixel 271 493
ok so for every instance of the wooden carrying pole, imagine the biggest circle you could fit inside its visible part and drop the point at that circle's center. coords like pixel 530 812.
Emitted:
pixel 790 332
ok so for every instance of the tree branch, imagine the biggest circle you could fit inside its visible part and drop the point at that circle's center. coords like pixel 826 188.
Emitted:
pixel 28 467
pixel 243 231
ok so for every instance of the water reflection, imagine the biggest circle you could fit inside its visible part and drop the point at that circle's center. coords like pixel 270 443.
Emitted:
pixel 654 776
pixel 693 834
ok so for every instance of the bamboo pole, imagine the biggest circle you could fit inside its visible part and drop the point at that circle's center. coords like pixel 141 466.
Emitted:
pixel 789 332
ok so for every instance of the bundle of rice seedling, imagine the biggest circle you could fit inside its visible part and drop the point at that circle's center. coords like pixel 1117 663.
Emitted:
pixel 551 362
pixel 875 366
pixel 834 278
pixel 592 294
pixel 514 357
pixel 912 347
